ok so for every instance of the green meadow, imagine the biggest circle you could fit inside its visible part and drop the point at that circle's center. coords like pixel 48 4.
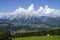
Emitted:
pixel 39 38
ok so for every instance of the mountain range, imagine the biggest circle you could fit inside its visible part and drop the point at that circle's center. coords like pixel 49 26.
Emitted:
pixel 29 20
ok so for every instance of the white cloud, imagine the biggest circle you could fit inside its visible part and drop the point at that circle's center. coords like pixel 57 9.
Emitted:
pixel 31 8
pixel 3 15
pixel 46 11
pixel 51 12
pixel 40 9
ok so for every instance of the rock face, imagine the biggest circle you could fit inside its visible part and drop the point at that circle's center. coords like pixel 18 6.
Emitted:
pixel 49 21
pixel 30 23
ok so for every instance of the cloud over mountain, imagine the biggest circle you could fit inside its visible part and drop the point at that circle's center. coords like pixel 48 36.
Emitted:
pixel 46 11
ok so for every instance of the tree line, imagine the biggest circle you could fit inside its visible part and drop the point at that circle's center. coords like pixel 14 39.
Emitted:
pixel 6 35
pixel 38 33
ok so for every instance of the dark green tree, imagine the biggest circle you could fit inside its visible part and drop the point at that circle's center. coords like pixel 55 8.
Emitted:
pixel 5 35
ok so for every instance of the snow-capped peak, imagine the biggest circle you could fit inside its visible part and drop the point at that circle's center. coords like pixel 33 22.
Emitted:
pixel 46 11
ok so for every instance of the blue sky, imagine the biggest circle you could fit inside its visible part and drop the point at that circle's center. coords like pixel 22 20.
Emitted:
pixel 11 5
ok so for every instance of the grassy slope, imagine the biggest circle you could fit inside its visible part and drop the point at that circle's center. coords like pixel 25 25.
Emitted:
pixel 39 38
